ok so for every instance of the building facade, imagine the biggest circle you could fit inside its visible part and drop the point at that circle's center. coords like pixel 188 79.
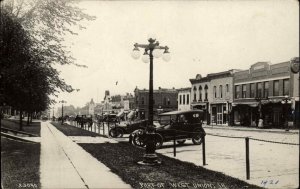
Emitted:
pixel 221 96
pixel 200 97
pixel 164 100
pixel 184 98
pixel 262 95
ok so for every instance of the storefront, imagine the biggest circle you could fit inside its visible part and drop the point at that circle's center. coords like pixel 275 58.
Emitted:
pixel 202 106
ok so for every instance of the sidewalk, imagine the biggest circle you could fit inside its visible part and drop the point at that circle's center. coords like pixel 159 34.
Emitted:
pixel 64 164
pixel 254 129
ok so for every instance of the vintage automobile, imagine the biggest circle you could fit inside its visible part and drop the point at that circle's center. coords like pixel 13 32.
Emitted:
pixel 178 125
pixel 118 130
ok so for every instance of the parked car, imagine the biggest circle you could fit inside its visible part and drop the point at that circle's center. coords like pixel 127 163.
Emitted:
pixel 119 130
pixel 179 125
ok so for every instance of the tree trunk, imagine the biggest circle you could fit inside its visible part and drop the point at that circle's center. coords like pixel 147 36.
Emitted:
pixel 31 114
pixel 21 120
pixel 28 114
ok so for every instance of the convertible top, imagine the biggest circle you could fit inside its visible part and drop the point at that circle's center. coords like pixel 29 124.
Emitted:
pixel 181 112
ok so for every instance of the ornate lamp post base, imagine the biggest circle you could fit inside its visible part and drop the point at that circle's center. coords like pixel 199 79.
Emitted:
pixel 150 157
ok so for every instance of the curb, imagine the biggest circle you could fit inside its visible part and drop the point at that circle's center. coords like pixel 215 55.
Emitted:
pixel 17 138
pixel 251 130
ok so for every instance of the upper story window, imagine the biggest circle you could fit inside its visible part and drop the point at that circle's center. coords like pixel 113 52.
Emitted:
pixel 276 88
pixel 180 100
pixel 286 87
pixel 259 90
pixel 187 99
pixel 266 89
pixel 215 92
pixel 221 91
pixel 168 101
pixel 195 93
pixel 243 91
pixel 227 88
pixel 252 90
pixel 165 101
pixel 237 91
pixel 183 99
pixel 200 93
pixel 143 100
pixel 206 92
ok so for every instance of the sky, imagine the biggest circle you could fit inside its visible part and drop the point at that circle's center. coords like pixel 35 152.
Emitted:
pixel 203 37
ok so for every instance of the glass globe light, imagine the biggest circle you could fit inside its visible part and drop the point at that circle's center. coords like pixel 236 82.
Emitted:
pixel 145 58
pixel 157 53
pixel 135 53
pixel 166 56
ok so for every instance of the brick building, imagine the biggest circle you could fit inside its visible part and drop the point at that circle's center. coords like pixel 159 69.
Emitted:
pixel 184 98
pixel 164 100
pixel 200 97
pixel 221 96
pixel 263 92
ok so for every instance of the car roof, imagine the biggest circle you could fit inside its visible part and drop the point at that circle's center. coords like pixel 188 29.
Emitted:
pixel 181 112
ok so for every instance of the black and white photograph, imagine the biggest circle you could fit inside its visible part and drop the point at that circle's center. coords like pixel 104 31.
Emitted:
pixel 149 94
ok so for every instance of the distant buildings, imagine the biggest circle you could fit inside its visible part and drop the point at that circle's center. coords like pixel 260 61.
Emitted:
pixel 164 100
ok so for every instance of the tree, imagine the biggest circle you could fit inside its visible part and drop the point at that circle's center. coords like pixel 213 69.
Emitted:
pixel 31 43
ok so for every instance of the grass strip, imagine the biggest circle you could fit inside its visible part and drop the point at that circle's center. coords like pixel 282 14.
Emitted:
pixel 20 164
pixel 122 159
pixel 33 128
pixel 70 130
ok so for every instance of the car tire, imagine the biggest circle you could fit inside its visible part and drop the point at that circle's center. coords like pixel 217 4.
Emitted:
pixel 137 140
pixel 158 141
pixel 116 132
pixel 197 137
pixel 180 142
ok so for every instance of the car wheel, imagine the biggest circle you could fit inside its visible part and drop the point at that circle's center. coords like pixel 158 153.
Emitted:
pixel 197 137
pixel 138 140
pixel 116 132
pixel 158 141
pixel 180 142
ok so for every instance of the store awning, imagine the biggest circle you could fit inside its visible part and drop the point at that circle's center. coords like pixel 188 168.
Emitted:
pixel 251 104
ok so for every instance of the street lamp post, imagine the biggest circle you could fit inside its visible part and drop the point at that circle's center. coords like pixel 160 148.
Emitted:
pixel 285 101
pixel 153 49
pixel 62 110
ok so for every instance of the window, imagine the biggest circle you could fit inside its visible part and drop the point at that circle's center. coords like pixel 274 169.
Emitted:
pixel 168 101
pixel 165 101
pixel 180 99
pixel 187 99
pixel 221 91
pixel 195 95
pixel 243 91
pixel 143 100
pixel 237 91
pixel 227 88
pixel 266 89
pixel 259 90
pixel 276 88
pixel 286 87
pixel 205 90
pixel 252 90
pixel 200 93
pixel 183 99
pixel 215 92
